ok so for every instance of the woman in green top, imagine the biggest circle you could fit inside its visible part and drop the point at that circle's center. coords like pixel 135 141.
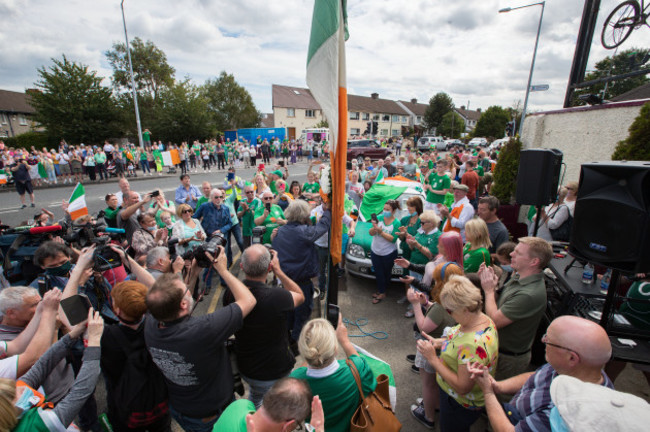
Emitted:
pixel 410 224
pixel 476 247
pixel 474 339
pixel 328 378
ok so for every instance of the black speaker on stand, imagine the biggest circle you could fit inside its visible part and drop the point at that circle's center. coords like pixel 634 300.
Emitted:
pixel 538 178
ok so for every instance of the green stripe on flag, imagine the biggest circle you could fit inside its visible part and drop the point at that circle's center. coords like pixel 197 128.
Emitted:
pixel 325 22
pixel 376 197
pixel 78 192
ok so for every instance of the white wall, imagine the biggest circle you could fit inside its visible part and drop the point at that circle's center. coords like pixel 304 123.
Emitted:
pixel 583 134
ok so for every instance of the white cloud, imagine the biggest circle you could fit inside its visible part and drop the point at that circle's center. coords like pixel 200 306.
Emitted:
pixel 400 50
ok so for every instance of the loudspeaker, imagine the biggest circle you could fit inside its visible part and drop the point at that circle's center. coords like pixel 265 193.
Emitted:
pixel 611 224
pixel 538 176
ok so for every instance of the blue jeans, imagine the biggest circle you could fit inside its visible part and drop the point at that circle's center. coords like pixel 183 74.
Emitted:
pixel 257 389
pixel 235 232
pixel 302 313
pixel 145 166
pixel 454 417
pixel 383 265
pixel 323 266
pixel 191 424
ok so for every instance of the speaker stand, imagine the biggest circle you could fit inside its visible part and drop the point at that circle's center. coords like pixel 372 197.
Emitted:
pixel 537 216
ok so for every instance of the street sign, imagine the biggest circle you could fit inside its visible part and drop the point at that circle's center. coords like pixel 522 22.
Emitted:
pixel 539 87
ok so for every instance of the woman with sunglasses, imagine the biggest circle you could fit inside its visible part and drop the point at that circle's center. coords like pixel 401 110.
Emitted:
pixel 383 250
pixel 474 339
pixel 187 230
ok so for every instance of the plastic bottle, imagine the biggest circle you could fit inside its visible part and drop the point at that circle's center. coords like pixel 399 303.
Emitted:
pixel 604 282
pixel 588 274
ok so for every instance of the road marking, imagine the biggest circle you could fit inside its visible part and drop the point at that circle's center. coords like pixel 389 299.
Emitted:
pixel 215 299
pixel 9 211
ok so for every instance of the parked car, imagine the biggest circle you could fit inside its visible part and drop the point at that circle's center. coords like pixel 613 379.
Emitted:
pixel 451 143
pixel 360 149
pixel 477 142
pixel 427 143
pixel 497 144
pixel 358 254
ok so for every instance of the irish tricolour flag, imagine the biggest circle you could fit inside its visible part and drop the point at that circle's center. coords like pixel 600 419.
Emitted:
pixel 77 203
pixel 327 82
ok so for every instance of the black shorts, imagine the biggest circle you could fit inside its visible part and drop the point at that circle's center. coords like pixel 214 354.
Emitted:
pixel 22 187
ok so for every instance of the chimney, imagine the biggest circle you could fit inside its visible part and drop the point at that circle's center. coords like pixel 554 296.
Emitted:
pixel 462 107
pixel 374 95
pixel 414 101
pixel 478 110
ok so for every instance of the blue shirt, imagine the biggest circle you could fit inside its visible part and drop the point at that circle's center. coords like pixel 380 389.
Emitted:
pixel 213 218
pixel 182 194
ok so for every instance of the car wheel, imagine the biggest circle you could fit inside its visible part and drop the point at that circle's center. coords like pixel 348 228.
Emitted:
pixel 360 159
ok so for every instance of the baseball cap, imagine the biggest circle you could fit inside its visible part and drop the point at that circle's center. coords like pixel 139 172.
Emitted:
pixel 461 187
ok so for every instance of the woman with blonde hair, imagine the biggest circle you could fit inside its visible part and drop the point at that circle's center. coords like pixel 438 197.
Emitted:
pixel 475 251
pixel 433 319
pixel 187 230
pixel 328 378
pixel 473 339
pixel 260 185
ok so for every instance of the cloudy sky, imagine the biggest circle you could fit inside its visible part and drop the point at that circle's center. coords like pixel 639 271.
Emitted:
pixel 401 49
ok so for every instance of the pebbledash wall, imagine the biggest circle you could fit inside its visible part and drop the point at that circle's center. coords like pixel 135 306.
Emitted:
pixel 583 134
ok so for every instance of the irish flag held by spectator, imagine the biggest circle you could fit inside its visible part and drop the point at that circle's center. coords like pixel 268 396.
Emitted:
pixel 3 177
pixel 77 203
pixel 327 81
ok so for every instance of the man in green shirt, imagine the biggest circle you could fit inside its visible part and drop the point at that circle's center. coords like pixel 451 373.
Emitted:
pixel 247 208
pixel 520 306
pixel 311 187
pixel 100 161
pixel 206 188
pixel 110 212
pixel 269 215
pixel 437 185
pixel 286 405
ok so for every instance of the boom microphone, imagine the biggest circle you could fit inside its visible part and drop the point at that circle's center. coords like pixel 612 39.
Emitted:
pixel 114 230
pixel 45 229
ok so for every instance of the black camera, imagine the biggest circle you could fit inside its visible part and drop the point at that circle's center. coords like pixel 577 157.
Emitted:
pixel 211 246
pixel 258 233
pixel 99 234
pixel 155 193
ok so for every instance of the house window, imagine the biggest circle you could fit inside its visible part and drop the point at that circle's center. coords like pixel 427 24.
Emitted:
pixel 22 119
pixel 419 119
pixel 366 116
pixel 395 132
pixel 404 119
pixel 355 131
pixel 395 119
pixel 383 132
pixel 310 113
pixel 385 117
pixel 3 118
pixel 375 116
pixel 354 115
pixel 291 112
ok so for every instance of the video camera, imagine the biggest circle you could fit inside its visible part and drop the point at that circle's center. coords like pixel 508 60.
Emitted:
pixel 199 252
pixel 99 234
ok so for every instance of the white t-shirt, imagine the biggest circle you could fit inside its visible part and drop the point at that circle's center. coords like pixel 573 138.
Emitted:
pixel 380 246
pixel 9 367
pixel 317 213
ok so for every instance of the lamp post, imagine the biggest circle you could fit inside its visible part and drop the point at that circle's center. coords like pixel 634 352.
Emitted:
pixel 532 64
pixel 135 94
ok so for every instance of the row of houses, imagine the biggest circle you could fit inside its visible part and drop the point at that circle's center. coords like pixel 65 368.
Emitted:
pixel 296 109
pixel 15 113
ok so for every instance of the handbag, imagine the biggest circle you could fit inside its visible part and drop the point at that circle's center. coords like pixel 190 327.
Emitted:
pixel 563 232
pixel 374 414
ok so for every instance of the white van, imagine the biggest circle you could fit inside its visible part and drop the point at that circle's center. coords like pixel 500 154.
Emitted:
pixel 427 143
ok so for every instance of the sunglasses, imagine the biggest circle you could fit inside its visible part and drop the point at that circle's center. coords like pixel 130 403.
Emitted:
pixel 187 211
pixel 546 342
pixel 250 192
pixel 218 197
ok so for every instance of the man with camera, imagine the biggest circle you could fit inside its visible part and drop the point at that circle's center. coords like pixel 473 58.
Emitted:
pixel 159 262
pixel 127 217
pixel 246 214
pixel 262 344
pixel 190 351
pixel 294 243
pixel 233 183
pixel 269 215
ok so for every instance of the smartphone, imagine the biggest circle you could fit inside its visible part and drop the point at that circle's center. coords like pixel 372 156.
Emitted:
pixel 333 312
pixel 231 176
pixel 281 163
pixel 373 217
pixel 268 206
pixel 154 193
pixel 76 308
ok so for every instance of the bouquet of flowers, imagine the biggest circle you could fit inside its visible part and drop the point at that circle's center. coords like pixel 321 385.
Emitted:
pixel 326 183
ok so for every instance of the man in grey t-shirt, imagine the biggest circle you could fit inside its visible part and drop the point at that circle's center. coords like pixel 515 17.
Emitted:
pixel 410 168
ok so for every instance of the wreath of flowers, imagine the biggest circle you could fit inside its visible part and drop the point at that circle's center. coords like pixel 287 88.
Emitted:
pixel 326 183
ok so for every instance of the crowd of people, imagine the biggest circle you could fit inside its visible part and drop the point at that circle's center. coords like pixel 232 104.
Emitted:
pixel 476 299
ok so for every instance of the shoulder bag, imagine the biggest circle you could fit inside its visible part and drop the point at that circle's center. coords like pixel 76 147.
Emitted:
pixel 374 413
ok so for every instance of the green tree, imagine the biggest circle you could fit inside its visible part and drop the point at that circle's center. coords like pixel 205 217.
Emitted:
pixel 439 105
pixel 626 61
pixel 636 147
pixel 322 124
pixel 151 72
pixel 505 173
pixel 452 125
pixel 492 123
pixel 229 104
pixel 182 114
pixel 72 103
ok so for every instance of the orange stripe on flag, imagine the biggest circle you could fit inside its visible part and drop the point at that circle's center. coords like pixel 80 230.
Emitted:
pixel 75 214
pixel 338 177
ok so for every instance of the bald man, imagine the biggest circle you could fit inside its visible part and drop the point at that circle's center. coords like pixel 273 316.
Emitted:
pixel 575 347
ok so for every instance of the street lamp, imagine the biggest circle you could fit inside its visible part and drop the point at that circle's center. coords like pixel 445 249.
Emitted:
pixel 532 64
pixel 135 95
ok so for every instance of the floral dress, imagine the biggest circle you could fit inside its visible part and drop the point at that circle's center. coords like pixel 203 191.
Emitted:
pixel 464 348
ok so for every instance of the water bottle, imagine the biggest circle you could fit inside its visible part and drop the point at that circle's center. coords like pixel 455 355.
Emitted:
pixel 604 282
pixel 588 274
pixel 105 423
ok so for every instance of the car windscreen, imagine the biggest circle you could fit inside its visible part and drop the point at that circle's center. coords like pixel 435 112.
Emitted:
pixel 358 143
